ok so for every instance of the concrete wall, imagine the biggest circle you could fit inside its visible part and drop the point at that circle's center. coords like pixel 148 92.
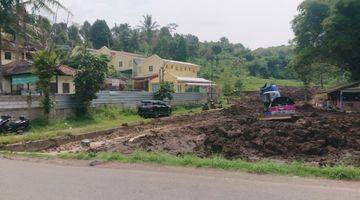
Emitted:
pixel 64 104
pixel 17 106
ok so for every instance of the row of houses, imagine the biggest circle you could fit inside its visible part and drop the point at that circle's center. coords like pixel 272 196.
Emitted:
pixel 132 72
pixel 145 73
pixel 17 75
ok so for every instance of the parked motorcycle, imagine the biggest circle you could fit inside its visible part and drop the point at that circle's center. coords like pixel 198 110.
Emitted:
pixel 19 126
pixel 4 120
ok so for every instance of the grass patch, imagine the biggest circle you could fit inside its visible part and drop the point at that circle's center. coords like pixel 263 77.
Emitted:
pixel 262 167
pixel 187 109
pixel 100 119
pixel 254 83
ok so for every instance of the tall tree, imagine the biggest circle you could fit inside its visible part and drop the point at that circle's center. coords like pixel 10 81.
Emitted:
pixel 100 34
pixel 308 30
pixel 7 17
pixel 326 31
pixel 148 27
pixel 21 8
pixel 181 48
pixel 135 41
pixel 193 45
pixel 342 34
pixel 43 33
pixel 74 36
pixel 163 46
pixel 89 79
pixel 60 33
pixel 122 37
pixel 45 69
pixel 85 32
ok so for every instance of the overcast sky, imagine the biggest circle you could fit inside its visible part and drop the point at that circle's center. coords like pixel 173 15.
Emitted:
pixel 254 23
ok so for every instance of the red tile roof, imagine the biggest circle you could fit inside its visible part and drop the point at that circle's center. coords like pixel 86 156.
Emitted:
pixel 66 70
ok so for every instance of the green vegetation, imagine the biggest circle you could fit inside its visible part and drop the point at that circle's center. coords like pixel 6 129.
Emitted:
pixel 327 39
pixel 261 167
pixel 89 79
pixel 99 119
pixel 165 91
pixel 45 69
pixel 254 83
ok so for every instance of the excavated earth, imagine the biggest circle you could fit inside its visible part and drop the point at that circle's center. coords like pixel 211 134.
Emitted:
pixel 317 136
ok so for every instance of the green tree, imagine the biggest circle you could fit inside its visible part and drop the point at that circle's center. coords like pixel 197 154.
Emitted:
pixel 60 34
pixel 85 32
pixel 164 45
pixel 45 69
pixel 327 32
pixel 148 27
pixel 89 79
pixel 100 34
pixel 227 89
pixel 342 34
pixel 122 37
pixel 42 36
pixel 7 17
pixel 135 41
pixel 74 35
pixel 165 91
pixel 193 45
pixel 180 51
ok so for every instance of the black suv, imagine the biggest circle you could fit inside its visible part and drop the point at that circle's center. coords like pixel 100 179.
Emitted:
pixel 153 109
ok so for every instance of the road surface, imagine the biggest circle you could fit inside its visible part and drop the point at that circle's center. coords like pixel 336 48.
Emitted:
pixel 41 180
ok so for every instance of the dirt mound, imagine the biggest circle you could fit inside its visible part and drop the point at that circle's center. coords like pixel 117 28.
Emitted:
pixel 324 138
pixel 313 138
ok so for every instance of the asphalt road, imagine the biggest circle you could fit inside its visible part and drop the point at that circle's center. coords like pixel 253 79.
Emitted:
pixel 38 180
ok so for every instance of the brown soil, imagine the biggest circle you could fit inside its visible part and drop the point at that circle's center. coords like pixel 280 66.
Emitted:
pixel 317 136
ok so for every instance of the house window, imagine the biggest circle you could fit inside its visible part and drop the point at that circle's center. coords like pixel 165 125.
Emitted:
pixel 151 68
pixel 66 88
pixel 7 55
pixel 120 64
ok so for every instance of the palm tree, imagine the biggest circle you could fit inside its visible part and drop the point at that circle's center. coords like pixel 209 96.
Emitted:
pixel 148 26
pixel 21 25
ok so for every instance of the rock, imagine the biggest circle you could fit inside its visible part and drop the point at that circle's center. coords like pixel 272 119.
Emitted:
pixel 94 163
pixel 85 143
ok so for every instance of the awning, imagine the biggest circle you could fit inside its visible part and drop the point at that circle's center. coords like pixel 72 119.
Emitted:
pixel 192 80
pixel 200 84
pixel 145 78
pixel 24 79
